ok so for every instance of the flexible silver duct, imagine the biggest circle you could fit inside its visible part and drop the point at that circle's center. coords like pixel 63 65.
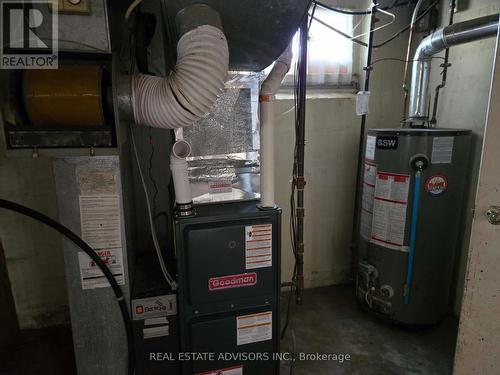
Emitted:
pixel 449 36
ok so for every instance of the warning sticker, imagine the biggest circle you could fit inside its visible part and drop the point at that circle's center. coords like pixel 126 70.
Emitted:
pixel 97 181
pixel 258 246
pixel 389 210
pixel 91 275
pixel 442 150
pixel 101 221
pixel 371 142
pixel 235 370
pixel 220 186
pixel 254 328
pixel 369 180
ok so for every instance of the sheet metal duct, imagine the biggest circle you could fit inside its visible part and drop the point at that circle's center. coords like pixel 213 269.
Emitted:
pixel 258 31
pixel 449 36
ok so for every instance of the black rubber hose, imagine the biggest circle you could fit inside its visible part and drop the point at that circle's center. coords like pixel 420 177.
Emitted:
pixel 23 210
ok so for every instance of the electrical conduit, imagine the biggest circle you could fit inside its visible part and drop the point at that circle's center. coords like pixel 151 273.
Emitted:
pixel 267 92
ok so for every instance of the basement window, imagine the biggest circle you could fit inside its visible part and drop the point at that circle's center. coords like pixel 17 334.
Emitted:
pixel 330 55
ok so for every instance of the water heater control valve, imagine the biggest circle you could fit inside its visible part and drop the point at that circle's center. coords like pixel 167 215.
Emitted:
pixel 387 291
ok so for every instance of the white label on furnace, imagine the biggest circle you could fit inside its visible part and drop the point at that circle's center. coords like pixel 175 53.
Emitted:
pixel 162 320
pixel 101 221
pixel 92 277
pixel 389 210
pixel 369 180
pixel 254 328
pixel 258 246
pixel 371 142
pixel 236 370
pixel 442 150
pixel 153 332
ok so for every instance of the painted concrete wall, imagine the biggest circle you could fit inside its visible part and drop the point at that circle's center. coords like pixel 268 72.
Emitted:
pixel 33 252
pixel 9 326
pixel 332 138
pixel 463 104
pixel 479 330
pixel 386 103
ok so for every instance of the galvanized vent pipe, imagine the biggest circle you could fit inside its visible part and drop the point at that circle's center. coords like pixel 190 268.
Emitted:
pixel 449 36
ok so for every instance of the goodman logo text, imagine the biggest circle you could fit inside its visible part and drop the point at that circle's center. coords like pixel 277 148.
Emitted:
pixel 232 281
pixel 29 34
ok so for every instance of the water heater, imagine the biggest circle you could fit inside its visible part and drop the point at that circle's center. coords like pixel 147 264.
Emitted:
pixel 413 193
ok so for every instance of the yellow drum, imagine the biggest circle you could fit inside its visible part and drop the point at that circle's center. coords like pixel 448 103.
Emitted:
pixel 69 96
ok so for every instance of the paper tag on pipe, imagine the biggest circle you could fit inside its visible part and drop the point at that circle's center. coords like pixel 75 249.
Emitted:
pixel 363 103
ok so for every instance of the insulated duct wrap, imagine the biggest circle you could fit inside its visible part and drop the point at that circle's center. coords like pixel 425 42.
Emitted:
pixel 224 162
pixel 187 94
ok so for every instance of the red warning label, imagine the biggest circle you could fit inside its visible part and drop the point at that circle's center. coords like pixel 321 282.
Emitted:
pixel 232 281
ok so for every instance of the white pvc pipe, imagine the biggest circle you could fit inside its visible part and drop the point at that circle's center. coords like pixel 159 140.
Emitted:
pixel 267 189
pixel 280 68
pixel 266 99
pixel 179 167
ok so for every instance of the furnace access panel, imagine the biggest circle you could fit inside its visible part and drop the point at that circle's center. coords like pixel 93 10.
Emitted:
pixel 229 273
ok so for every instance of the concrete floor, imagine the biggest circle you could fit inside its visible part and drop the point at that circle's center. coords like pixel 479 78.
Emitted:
pixel 330 321
pixel 40 352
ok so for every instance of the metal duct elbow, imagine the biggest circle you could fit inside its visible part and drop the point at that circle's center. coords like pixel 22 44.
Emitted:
pixel 197 80
pixel 449 36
